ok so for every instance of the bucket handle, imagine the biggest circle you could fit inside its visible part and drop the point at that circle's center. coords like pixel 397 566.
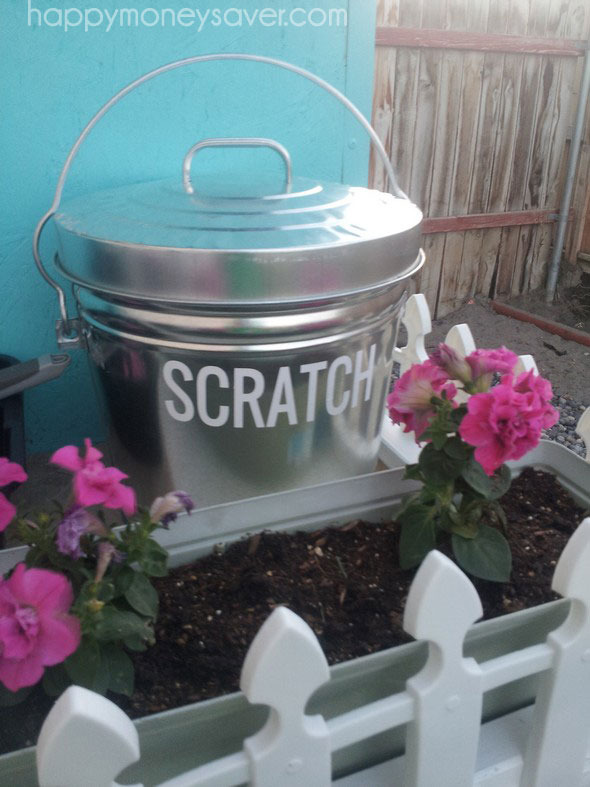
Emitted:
pixel 66 328
pixel 235 142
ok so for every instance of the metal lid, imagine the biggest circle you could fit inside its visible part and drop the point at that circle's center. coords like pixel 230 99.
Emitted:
pixel 156 241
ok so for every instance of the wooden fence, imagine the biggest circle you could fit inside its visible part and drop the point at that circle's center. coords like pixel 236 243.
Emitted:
pixel 88 740
pixel 474 101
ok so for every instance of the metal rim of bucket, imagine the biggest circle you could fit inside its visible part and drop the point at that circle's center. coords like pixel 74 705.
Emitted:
pixel 66 331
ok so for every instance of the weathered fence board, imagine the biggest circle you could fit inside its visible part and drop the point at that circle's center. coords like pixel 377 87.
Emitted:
pixel 485 131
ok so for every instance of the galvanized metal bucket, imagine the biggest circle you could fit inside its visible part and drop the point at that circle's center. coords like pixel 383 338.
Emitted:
pixel 241 335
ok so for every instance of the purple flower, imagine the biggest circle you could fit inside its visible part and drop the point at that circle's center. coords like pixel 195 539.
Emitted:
pixel 166 509
pixel 70 530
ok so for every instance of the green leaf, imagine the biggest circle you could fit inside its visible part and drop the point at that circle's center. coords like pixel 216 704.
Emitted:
pixel 437 432
pixel 116 624
pixel 477 478
pixel 490 487
pixel 142 596
pixel 418 534
pixel 497 510
pixel 469 519
pixel 465 529
pixel 9 698
pixel 154 560
pixel 450 519
pixel 105 591
pixel 123 579
pixel 413 473
pixel 428 495
pixel 85 667
pixel 55 680
pixel 437 467
pixel 120 667
pixel 456 416
pixel 501 481
pixel 457 449
pixel 135 643
pixel 486 556
pixel 439 439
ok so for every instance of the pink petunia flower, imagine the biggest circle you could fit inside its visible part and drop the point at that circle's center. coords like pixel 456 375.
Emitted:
pixel 95 484
pixel 9 473
pixel 540 394
pixel 506 422
pixel 452 363
pixel 410 401
pixel 484 363
pixel 35 629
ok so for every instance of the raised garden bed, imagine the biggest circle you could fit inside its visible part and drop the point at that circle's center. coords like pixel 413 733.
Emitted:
pixel 371 498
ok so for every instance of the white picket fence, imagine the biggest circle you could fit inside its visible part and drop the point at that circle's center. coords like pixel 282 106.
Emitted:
pixel 86 740
pixel 401 445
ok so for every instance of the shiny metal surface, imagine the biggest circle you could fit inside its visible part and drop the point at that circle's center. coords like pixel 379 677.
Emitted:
pixel 66 326
pixel 235 142
pixel 241 333
pixel 156 242
pixel 228 406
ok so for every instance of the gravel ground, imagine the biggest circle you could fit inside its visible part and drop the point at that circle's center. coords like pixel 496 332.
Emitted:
pixel 565 430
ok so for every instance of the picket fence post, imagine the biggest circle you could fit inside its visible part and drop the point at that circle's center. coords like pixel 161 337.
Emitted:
pixel 284 666
pixel 460 339
pixel 441 741
pixel 417 322
pixel 85 740
pixel 583 429
pixel 558 741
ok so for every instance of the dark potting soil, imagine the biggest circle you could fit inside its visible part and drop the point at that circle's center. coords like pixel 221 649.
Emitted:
pixel 344 582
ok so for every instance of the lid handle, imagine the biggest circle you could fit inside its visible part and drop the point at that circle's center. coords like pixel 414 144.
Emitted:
pixel 235 142
pixel 67 326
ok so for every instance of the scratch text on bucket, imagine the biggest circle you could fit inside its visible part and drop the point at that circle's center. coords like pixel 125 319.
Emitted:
pixel 283 395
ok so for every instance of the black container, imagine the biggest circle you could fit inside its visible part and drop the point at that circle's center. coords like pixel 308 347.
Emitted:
pixel 12 429
pixel 12 422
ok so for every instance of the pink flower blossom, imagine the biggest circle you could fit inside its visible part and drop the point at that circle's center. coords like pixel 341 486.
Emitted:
pixel 484 363
pixel 410 401
pixel 35 629
pixel 506 422
pixel 9 473
pixel 452 363
pixel 95 484
pixel 540 394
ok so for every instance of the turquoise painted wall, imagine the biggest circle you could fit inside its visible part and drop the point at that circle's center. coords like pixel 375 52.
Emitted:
pixel 53 82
